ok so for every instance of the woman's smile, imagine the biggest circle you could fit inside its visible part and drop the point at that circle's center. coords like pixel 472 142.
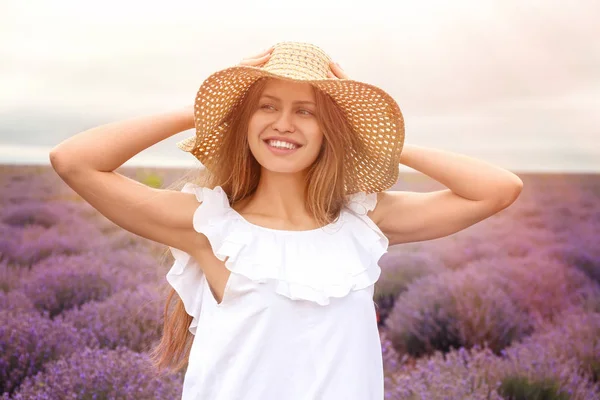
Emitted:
pixel 280 147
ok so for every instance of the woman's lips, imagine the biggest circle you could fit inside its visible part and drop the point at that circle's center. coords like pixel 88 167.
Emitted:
pixel 280 150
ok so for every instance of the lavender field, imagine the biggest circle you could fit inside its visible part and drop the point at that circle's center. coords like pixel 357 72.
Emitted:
pixel 507 309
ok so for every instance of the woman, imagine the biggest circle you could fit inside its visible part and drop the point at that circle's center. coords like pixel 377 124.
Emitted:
pixel 276 245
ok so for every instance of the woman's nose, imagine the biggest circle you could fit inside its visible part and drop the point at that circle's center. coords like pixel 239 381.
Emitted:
pixel 284 122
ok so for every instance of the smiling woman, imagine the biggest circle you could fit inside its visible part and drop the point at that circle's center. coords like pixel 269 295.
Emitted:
pixel 272 113
pixel 277 143
pixel 267 241
pixel 276 243
pixel 283 191
pixel 284 126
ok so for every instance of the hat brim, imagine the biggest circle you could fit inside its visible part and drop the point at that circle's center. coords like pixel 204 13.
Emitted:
pixel 372 112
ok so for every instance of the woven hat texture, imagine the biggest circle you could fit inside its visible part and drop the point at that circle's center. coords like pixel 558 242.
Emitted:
pixel 374 115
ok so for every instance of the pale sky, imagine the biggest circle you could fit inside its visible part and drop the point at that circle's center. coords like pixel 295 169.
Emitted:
pixel 512 82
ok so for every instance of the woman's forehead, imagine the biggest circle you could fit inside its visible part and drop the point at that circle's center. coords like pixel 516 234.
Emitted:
pixel 287 90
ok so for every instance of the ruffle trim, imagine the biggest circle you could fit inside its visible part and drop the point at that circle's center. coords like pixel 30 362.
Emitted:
pixel 185 276
pixel 360 204
pixel 311 265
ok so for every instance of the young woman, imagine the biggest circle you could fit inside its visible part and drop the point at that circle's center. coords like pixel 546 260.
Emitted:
pixel 276 244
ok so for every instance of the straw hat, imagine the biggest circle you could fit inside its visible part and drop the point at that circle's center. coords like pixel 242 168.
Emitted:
pixel 373 113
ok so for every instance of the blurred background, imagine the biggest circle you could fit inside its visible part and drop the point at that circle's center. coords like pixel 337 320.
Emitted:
pixel 516 83
pixel 506 309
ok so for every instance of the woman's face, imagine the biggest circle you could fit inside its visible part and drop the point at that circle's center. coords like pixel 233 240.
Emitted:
pixel 285 117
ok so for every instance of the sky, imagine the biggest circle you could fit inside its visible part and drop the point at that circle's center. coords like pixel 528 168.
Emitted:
pixel 515 83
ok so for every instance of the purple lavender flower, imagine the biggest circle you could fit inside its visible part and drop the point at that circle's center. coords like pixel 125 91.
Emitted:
pixel 540 286
pixel 131 318
pixel 31 213
pixel 398 270
pixel 11 275
pixel 452 310
pixel 101 374
pixel 29 340
pixel 60 283
pixel 15 300
pixel 34 243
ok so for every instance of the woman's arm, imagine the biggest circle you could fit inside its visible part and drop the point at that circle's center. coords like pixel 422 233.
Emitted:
pixel 86 162
pixel 465 176
pixel 107 147
pixel 476 191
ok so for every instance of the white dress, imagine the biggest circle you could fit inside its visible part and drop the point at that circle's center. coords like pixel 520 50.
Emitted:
pixel 297 320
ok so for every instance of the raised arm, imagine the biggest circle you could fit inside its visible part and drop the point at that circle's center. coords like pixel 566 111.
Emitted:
pixel 476 191
pixel 86 162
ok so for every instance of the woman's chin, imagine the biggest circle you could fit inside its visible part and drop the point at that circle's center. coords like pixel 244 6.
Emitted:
pixel 280 167
pixel 292 164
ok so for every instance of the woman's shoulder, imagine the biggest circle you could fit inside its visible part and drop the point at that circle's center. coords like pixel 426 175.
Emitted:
pixel 361 202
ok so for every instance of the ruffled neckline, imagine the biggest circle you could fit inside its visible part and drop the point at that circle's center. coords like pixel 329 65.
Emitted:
pixel 314 265
pixel 360 203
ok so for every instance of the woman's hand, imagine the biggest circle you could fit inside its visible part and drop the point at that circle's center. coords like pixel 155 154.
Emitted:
pixel 257 60
pixel 261 58
pixel 336 71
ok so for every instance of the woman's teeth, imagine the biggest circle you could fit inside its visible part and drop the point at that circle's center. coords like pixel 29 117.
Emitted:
pixel 281 145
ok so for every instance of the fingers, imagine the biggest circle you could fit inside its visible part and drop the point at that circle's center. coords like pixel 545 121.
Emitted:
pixel 264 52
pixel 255 61
pixel 258 59
pixel 336 71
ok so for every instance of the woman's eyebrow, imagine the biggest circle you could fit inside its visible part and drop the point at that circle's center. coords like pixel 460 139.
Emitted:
pixel 295 102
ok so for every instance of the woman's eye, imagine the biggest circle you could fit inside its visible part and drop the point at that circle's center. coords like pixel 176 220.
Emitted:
pixel 269 107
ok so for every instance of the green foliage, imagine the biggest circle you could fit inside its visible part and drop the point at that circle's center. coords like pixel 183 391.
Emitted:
pixel 591 367
pixel 150 179
pixel 521 388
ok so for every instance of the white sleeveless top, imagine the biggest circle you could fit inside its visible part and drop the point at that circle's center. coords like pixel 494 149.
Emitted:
pixel 297 320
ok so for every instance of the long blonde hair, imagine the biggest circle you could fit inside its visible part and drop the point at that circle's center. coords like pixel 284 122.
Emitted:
pixel 235 169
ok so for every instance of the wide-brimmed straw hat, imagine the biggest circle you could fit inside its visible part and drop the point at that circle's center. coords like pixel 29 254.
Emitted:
pixel 374 115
